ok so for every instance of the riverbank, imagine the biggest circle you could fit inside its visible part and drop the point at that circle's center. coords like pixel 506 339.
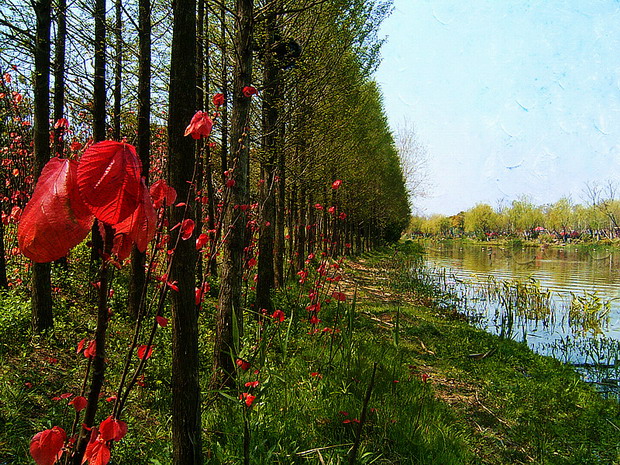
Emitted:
pixel 515 406
pixel 511 242
pixel 389 364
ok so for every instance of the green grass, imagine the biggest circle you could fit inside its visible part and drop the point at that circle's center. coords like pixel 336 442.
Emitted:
pixel 511 406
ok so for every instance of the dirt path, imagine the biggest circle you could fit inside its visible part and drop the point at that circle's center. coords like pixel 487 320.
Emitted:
pixel 483 419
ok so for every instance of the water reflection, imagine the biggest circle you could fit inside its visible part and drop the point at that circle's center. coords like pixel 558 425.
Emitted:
pixel 561 270
pixel 580 290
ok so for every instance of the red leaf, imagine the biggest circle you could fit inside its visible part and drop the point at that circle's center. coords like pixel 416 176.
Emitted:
pixel 200 125
pixel 112 429
pixel 122 245
pixel 91 350
pixel 144 352
pixel 162 192
pixel 201 241
pixel 109 180
pixel 80 346
pixel 97 451
pixel 141 225
pixel 218 100
pixel 248 91
pixel 46 446
pixel 55 219
pixel 79 403
pixel 187 228
pixel 247 398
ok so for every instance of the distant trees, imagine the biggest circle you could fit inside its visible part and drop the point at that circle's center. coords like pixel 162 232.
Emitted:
pixel 560 220
pixel 481 219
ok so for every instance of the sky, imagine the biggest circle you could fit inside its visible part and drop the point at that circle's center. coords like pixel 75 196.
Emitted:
pixel 510 97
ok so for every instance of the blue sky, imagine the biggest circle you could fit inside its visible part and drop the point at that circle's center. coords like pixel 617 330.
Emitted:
pixel 511 97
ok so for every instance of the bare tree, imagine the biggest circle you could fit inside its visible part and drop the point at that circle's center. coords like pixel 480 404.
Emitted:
pixel 413 158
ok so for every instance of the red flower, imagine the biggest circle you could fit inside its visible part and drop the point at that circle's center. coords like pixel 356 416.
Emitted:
pixel 219 100
pixel 342 216
pixel 331 210
pixel 200 126
pixel 279 315
pixel 79 403
pixel 161 321
pixel 75 146
pixel 247 398
pixel 252 384
pixel 339 296
pixel 248 91
pixel 46 446
pixel 144 352
pixel 336 184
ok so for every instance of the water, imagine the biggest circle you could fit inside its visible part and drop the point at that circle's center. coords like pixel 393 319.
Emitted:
pixel 557 277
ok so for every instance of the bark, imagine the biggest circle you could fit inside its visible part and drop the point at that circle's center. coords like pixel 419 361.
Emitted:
pixel 201 91
pixel 59 75
pixel 118 73
pixel 138 259
pixel 224 78
pixel 99 132
pixel 234 219
pixel 186 409
pixel 4 283
pixel 279 246
pixel 99 94
pixel 42 317
pixel 300 229
pixel 208 168
pixel 271 98
pixel 98 363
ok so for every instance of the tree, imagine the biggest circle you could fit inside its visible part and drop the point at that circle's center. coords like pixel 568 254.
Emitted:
pixel 524 216
pixel 272 97
pixel 229 300
pixel 42 316
pixel 414 159
pixel 481 219
pixel 186 416
pixel 138 259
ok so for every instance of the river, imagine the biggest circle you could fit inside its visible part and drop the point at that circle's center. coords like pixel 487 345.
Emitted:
pixel 580 290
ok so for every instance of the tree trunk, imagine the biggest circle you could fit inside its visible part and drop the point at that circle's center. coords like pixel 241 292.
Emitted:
pixel 279 246
pixel 42 317
pixel 224 78
pixel 186 415
pixel 98 362
pixel 234 220
pixel 138 259
pixel 99 129
pixel 118 67
pixel 59 76
pixel 4 283
pixel 271 100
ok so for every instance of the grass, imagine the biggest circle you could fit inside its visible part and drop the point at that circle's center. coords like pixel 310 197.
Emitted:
pixel 444 392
